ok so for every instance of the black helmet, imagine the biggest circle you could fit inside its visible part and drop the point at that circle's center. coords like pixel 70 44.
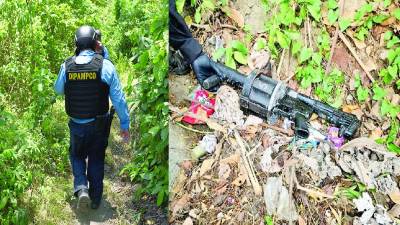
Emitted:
pixel 85 37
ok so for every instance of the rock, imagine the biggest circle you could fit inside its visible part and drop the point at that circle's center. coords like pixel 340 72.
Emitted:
pixel 386 184
pixel 277 202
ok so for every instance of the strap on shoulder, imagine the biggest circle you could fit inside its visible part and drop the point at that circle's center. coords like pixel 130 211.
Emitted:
pixel 98 60
pixel 69 62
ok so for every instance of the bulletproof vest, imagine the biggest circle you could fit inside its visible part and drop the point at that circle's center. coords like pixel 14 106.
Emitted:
pixel 86 95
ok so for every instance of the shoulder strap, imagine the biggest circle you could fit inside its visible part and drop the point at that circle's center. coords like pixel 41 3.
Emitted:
pixel 98 60
pixel 69 62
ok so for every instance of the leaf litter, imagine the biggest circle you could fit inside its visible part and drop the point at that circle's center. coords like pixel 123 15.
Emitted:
pixel 306 184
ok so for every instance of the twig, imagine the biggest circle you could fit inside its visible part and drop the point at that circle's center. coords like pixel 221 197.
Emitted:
pixel 335 37
pixel 278 71
pixel 253 149
pixel 309 32
pixel 253 179
pixel 229 26
pixel 291 181
pixel 289 78
pixel 182 113
pixel 207 27
pixel 194 130
pixel 347 43
pixel 313 192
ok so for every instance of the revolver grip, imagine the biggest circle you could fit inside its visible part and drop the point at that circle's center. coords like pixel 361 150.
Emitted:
pixel 301 126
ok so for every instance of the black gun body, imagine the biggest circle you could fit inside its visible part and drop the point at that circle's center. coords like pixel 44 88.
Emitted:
pixel 267 97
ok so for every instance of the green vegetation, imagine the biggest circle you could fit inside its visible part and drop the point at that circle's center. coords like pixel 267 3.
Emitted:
pixel 147 29
pixel 36 37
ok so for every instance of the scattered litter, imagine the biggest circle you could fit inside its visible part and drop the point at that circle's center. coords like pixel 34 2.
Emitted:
pixel 208 143
pixel 202 105
pixel 276 198
pixel 253 121
pixel 333 136
pixel 370 214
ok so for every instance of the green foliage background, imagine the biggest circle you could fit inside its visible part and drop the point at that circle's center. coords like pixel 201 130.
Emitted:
pixel 36 37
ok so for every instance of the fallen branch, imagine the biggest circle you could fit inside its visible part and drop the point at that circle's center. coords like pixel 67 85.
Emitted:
pixel 354 53
pixel 194 130
pixel 252 177
pixel 278 71
pixel 314 193
pixel 288 132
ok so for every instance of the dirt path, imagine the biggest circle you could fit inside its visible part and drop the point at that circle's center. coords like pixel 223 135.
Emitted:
pixel 56 204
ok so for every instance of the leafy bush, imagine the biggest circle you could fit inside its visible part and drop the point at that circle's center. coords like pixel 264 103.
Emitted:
pixel 148 38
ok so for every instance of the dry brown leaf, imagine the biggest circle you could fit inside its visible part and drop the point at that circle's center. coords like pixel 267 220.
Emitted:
pixel 302 221
pixel 371 65
pixel 234 15
pixel 206 166
pixel 224 171
pixel 180 204
pixel 389 21
pixel 375 134
pixel 350 8
pixel 239 181
pixel 359 44
pixel 396 99
pixel 265 141
pixel 395 211
pixel 186 165
pixel 218 149
pixel 188 221
pixel 215 126
pixel 395 196
pixel 350 108
pixel 201 114
pixel 232 159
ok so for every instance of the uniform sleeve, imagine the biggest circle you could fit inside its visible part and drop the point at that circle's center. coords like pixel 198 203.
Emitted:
pixel 106 54
pixel 60 82
pixel 117 96
pixel 180 36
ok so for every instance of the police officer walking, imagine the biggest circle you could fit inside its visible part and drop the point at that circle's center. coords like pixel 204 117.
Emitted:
pixel 88 80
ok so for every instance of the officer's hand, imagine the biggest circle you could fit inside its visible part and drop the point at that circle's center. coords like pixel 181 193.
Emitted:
pixel 125 136
pixel 203 67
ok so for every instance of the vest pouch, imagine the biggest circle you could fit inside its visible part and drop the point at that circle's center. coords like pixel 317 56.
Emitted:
pixel 101 123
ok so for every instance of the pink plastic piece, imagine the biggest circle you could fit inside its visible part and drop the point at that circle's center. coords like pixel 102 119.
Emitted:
pixel 333 136
pixel 201 101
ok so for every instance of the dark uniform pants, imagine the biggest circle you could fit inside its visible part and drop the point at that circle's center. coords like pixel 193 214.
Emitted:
pixel 87 143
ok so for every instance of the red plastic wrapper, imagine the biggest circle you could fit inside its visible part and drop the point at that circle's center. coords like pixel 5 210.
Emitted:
pixel 201 103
